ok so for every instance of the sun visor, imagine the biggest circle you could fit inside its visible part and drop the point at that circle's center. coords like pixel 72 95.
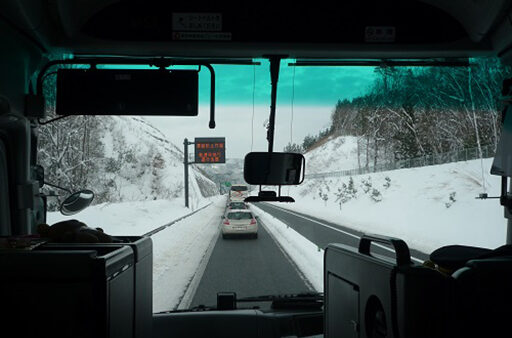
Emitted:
pixel 502 164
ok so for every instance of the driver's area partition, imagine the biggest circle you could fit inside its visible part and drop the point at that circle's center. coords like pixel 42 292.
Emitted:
pixel 79 290
pixel 372 296
pixel 22 190
pixel 367 295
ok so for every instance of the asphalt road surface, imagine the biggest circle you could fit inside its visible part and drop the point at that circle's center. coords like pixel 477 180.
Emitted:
pixel 253 267
pixel 249 267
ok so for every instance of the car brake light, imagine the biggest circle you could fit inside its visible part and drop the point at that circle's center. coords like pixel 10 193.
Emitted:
pixel 226 221
pixel 253 221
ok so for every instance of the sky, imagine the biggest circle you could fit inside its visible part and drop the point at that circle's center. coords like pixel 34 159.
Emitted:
pixel 305 100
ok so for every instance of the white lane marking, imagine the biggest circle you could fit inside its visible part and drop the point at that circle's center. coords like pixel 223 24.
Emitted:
pixel 337 229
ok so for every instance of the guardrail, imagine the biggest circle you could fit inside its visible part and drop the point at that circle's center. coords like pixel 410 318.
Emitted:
pixel 434 159
pixel 160 228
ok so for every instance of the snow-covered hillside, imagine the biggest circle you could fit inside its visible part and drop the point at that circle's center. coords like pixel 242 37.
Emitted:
pixel 338 153
pixel 138 163
pixel 428 206
pixel 232 171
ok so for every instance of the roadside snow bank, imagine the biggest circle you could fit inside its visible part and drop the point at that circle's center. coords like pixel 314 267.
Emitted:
pixel 180 252
pixel 305 254
pixel 130 218
pixel 428 207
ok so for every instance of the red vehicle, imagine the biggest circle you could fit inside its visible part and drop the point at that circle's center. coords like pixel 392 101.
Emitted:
pixel 238 192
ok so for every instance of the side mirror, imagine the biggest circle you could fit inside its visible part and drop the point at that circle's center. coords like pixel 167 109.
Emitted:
pixel 263 168
pixel 76 202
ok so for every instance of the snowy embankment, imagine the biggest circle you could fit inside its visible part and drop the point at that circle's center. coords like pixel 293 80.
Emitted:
pixel 321 160
pixel 180 255
pixel 428 207
pixel 180 251
pixel 142 164
pixel 130 218
pixel 305 254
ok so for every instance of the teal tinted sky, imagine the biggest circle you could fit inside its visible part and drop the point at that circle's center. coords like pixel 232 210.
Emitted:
pixel 239 85
pixel 243 104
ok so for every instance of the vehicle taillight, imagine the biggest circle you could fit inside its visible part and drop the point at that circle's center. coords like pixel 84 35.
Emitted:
pixel 253 221
pixel 226 221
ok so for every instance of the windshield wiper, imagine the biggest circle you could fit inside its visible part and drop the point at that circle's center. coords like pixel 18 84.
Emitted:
pixel 287 301
pixel 305 300
pixel 198 308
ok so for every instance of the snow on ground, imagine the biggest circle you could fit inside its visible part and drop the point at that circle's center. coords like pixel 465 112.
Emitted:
pixel 305 254
pixel 140 163
pixel 344 147
pixel 428 207
pixel 179 251
pixel 130 218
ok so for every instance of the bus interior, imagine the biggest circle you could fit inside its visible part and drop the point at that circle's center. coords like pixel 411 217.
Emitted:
pixel 67 289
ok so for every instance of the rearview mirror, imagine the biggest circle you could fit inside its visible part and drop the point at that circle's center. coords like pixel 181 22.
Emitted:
pixel 262 168
pixel 76 202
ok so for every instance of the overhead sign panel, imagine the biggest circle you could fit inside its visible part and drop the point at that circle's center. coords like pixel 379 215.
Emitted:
pixel 210 150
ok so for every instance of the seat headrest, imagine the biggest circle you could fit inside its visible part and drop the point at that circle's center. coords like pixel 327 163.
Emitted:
pixel 454 257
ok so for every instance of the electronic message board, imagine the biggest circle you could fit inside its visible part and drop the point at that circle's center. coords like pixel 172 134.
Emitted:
pixel 210 149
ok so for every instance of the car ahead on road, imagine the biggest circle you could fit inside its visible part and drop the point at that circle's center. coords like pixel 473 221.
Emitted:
pixel 239 222
pixel 238 192
pixel 237 205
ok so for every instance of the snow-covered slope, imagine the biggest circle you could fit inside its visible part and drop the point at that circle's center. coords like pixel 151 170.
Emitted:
pixel 232 171
pixel 130 218
pixel 338 153
pixel 427 206
pixel 141 164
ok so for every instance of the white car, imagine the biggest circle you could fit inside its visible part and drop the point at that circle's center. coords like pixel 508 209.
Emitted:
pixel 238 222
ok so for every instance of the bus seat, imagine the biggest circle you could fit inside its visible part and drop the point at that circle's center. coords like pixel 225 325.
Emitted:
pixel 482 298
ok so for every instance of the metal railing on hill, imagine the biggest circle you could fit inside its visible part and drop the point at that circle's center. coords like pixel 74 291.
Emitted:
pixel 434 159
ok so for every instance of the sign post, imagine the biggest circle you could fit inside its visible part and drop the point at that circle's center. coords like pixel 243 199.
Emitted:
pixel 185 163
pixel 207 150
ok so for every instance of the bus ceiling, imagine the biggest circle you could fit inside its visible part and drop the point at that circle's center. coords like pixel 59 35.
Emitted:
pixel 351 29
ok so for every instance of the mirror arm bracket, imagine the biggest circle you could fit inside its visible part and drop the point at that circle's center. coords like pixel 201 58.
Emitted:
pixel 275 62
pixel 162 62
pixel 42 123
pixel 58 187
pixel 211 124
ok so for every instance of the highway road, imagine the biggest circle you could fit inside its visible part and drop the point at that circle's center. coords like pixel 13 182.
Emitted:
pixel 252 267
pixel 322 232
pixel 249 267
